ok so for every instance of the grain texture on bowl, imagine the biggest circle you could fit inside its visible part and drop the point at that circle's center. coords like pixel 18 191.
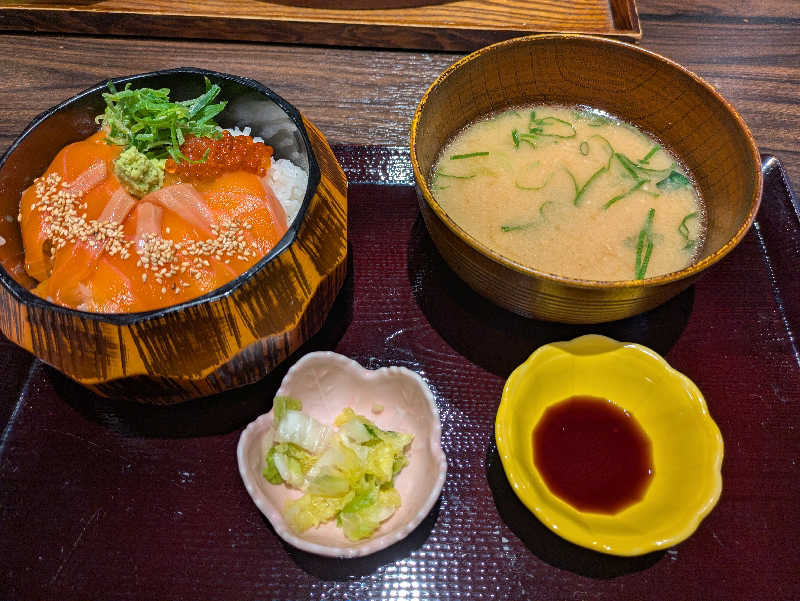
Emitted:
pixel 671 104
pixel 227 338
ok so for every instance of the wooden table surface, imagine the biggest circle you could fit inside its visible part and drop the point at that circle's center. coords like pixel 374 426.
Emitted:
pixel 748 50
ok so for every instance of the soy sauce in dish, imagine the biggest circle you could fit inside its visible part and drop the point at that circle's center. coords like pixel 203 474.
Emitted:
pixel 592 454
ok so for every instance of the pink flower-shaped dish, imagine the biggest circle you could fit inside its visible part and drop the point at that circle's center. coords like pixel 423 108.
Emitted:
pixel 395 398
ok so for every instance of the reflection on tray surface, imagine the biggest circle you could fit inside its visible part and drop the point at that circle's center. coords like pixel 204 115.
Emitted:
pixel 462 317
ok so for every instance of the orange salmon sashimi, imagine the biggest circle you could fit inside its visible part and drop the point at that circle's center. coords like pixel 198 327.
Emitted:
pixel 186 203
pixel 244 197
pixel 130 255
pixel 79 164
pixel 73 264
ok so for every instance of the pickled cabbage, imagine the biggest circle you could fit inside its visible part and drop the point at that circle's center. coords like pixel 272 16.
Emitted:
pixel 347 474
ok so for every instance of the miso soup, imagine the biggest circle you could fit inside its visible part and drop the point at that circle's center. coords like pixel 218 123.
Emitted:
pixel 571 192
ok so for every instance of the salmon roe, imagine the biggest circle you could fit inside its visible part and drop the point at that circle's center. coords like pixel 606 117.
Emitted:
pixel 226 153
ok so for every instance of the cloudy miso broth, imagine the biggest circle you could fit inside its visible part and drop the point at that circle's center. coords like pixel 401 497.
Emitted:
pixel 570 192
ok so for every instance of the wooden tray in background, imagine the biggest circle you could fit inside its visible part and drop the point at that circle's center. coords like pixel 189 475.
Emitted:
pixel 459 25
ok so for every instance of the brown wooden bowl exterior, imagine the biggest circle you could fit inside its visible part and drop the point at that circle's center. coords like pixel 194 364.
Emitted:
pixel 206 347
pixel 541 298
pixel 672 104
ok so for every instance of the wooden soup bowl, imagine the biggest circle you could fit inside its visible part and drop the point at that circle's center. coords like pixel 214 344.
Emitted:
pixel 227 338
pixel 659 96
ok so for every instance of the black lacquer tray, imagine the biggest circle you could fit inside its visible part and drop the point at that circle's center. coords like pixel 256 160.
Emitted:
pixel 113 500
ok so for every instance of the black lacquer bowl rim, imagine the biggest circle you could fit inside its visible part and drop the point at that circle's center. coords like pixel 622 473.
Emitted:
pixel 22 295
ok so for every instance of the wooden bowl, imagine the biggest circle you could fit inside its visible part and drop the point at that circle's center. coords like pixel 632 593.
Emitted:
pixel 670 103
pixel 228 338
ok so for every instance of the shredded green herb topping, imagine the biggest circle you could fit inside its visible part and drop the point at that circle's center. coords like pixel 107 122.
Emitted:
pixel 529 224
pixel 441 173
pixel 627 164
pixel 523 187
pixel 622 175
pixel 513 228
pixel 683 230
pixel 644 245
pixel 631 190
pixel 579 192
pixel 548 127
pixel 673 181
pixel 646 158
pixel 557 128
pixel 147 120
pixel 592 119
pixel 609 147
pixel 470 155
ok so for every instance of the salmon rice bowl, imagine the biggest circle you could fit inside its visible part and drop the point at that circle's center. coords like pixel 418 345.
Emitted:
pixel 159 206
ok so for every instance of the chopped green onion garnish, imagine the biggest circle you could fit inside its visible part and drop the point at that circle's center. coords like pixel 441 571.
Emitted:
pixel 579 192
pixel 529 224
pixel 673 181
pixel 649 155
pixel 659 172
pixel 598 121
pixel 631 190
pixel 435 182
pixel 455 157
pixel 643 266
pixel 521 187
pixel 513 228
pixel 574 182
pixel 515 138
pixel 552 120
pixel 644 245
pixel 627 164
pixel 683 230
pixel 594 120
pixel 443 174
pixel 611 151
pixel 157 127
pixel 584 148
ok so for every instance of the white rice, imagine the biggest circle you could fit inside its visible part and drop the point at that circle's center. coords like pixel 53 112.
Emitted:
pixel 245 131
pixel 287 180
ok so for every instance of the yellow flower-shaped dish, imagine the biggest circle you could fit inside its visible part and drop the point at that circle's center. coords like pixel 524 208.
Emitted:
pixel 687 446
